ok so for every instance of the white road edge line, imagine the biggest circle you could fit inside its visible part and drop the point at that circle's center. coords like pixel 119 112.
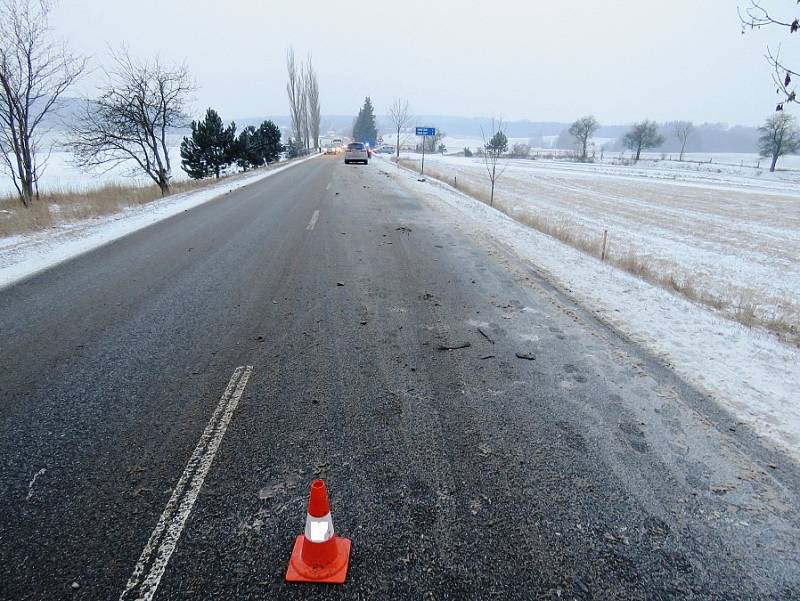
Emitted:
pixel 313 221
pixel 159 548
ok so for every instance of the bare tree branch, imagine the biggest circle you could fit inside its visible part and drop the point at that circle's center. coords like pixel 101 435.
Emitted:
pixel 35 71
pixel 755 16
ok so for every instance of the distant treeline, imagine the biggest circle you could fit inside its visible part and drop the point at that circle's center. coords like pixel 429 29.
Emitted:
pixel 706 137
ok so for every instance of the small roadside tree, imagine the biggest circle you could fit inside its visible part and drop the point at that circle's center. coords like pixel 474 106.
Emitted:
pixel 210 148
pixel 293 149
pixel 400 116
pixel 779 136
pixel 432 143
pixel 642 136
pixel 494 148
pixel 131 121
pixel 682 130
pixel 581 131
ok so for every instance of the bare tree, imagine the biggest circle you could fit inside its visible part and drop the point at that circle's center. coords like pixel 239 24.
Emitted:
pixel 304 116
pixel 682 130
pixel 130 121
pixel 400 117
pixel 35 71
pixel 312 102
pixel 779 136
pixel 294 89
pixel 581 131
pixel 493 148
pixel 755 16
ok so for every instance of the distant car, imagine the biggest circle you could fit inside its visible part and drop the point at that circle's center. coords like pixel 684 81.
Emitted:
pixel 356 152
pixel 330 149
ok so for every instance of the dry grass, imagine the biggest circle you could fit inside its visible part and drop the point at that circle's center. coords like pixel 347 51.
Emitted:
pixel 64 206
pixel 743 310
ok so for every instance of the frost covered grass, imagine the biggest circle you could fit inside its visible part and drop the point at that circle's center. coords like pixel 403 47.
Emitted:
pixel 729 244
pixel 60 207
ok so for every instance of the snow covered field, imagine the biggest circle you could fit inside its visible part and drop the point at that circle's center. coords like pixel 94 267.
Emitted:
pixel 750 373
pixel 730 233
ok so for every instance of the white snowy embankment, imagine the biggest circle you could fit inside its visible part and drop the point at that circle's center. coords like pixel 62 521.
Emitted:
pixel 751 373
pixel 24 255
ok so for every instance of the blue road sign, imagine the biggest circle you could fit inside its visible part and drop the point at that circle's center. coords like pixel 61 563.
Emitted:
pixel 426 131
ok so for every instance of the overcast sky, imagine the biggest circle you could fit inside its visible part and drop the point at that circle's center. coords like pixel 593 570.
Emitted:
pixel 620 60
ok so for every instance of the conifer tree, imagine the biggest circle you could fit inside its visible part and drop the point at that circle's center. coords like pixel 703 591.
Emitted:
pixel 268 138
pixel 210 148
pixel 364 129
pixel 247 151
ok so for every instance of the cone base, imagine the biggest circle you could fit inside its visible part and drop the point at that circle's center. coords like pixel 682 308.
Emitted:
pixel 335 573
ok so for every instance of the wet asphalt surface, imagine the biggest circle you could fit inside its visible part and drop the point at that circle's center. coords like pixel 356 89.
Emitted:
pixel 586 471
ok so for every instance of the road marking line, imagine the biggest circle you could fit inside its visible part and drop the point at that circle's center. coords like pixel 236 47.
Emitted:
pixel 328 187
pixel 313 221
pixel 164 539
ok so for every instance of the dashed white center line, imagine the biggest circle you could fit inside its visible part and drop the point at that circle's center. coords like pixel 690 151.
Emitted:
pixel 313 221
pixel 148 571
pixel 328 187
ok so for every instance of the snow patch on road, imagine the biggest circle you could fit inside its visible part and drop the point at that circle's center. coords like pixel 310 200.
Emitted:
pixel 749 372
pixel 24 255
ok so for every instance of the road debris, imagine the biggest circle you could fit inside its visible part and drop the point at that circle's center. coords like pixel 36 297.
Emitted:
pixel 41 472
pixel 340 283
pixel 527 356
pixel 454 347
pixel 485 335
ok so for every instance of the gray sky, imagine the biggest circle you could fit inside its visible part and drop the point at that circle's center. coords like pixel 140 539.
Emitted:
pixel 545 61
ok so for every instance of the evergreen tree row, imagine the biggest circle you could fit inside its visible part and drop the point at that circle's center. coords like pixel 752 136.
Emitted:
pixel 213 147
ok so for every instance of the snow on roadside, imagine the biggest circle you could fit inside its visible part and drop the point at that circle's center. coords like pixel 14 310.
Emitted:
pixel 24 255
pixel 750 373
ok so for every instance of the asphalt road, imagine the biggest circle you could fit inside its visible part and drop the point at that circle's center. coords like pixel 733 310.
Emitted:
pixel 319 299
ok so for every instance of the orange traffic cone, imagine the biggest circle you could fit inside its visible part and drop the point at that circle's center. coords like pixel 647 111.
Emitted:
pixel 319 555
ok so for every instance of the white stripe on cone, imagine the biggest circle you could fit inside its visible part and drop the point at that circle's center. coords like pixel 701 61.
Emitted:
pixel 318 530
